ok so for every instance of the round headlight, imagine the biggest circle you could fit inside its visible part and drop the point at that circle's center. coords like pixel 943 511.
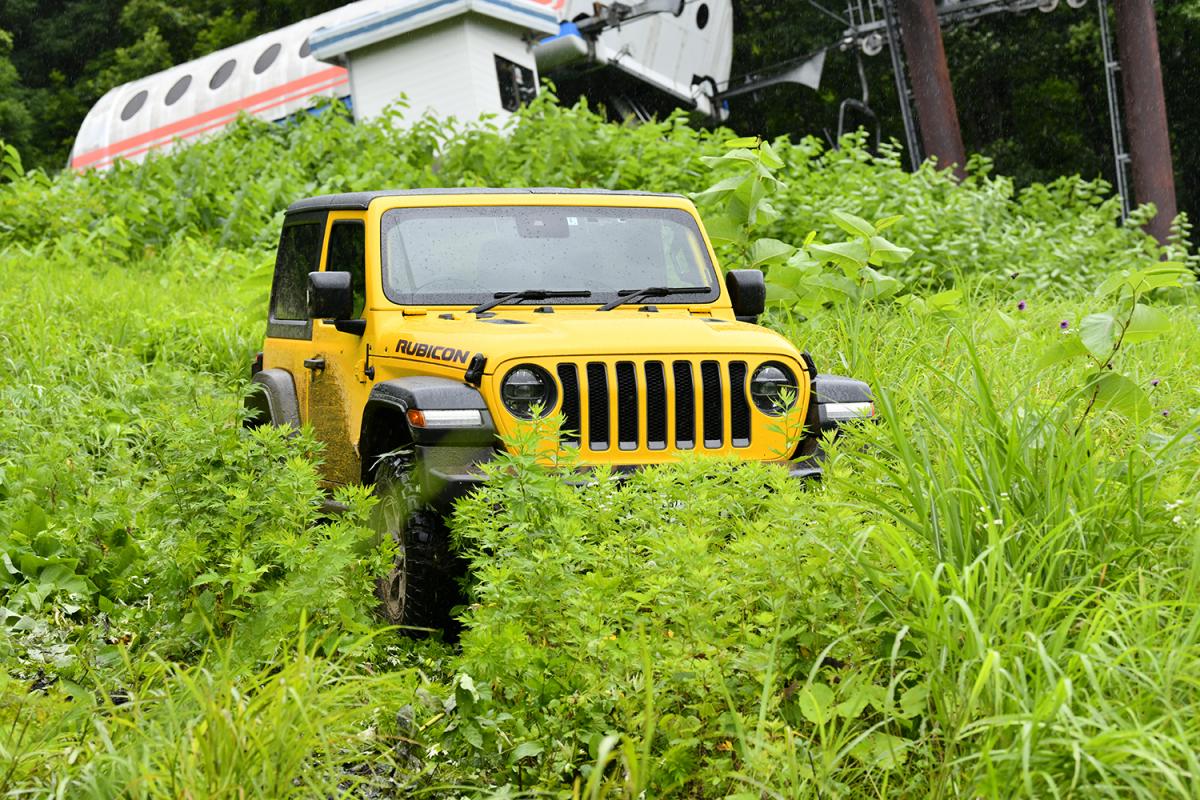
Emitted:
pixel 526 386
pixel 773 388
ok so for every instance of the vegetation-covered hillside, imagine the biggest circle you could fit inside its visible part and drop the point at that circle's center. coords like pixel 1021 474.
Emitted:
pixel 994 591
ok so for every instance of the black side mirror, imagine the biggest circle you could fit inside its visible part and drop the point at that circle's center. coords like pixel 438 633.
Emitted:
pixel 330 295
pixel 748 292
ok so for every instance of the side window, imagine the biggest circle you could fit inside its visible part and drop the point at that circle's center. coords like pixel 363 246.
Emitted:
pixel 299 254
pixel 348 253
pixel 516 84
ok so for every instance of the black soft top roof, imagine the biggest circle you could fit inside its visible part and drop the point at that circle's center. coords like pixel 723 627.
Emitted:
pixel 358 201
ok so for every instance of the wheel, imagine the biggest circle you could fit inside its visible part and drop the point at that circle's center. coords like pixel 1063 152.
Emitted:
pixel 421 587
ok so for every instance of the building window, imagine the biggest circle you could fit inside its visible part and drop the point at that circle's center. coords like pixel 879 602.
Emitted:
pixel 178 90
pixel 266 59
pixel 517 87
pixel 134 105
pixel 222 74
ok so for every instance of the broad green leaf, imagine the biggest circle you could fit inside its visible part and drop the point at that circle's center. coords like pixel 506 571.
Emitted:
pixel 850 256
pixel 1099 332
pixel 467 684
pixel 1168 273
pixel 741 154
pixel 472 734
pixel 1066 348
pixel 881 750
pixel 947 300
pixel 1112 283
pixel 1146 323
pixel 769 158
pixel 914 700
pixel 884 252
pixel 856 226
pixel 853 705
pixel 833 282
pixel 767 213
pixel 786 276
pixel 723 230
pixel 887 222
pixel 769 251
pixel 999 325
pixel 780 294
pixel 743 141
pixel 878 286
pixel 526 750
pixel 1117 392
pixel 722 186
pixel 815 703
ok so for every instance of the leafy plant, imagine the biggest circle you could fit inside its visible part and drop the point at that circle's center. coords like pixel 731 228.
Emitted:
pixel 10 163
pixel 975 601
pixel 1101 337
pixel 739 206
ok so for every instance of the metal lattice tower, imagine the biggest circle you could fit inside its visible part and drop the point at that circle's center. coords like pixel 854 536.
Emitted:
pixel 1111 68
pixel 872 25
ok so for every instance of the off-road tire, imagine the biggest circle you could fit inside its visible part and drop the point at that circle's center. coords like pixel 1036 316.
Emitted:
pixel 421 588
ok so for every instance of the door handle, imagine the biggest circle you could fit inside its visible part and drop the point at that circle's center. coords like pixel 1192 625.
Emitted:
pixel 315 363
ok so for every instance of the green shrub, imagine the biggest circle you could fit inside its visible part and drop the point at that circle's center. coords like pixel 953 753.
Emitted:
pixel 993 592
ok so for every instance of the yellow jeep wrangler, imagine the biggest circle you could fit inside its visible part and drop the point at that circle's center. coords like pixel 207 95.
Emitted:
pixel 414 329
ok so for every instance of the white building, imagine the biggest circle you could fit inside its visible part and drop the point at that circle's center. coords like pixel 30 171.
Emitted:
pixel 452 58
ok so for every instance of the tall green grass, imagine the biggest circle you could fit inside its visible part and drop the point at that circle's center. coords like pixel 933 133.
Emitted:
pixel 976 601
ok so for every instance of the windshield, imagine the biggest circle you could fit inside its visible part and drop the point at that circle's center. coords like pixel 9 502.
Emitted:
pixel 466 255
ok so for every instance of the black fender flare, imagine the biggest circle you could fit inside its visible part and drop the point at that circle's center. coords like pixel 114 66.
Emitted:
pixel 272 400
pixel 385 424
pixel 826 390
pixel 835 389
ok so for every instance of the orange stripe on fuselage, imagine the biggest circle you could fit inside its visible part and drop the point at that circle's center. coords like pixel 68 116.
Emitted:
pixel 215 117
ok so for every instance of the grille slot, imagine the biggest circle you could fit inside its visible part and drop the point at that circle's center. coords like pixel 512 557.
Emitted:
pixel 627 406
pixel 739 405
pixel 656 406
pixel 597 388
pixel 685 406
pixel 568 376
pixel 710 378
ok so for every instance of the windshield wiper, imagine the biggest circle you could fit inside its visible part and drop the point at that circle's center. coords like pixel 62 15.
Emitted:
pixel 634 295
pixel 500 298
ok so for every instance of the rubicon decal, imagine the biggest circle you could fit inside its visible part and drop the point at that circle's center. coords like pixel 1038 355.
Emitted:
pixel 434 352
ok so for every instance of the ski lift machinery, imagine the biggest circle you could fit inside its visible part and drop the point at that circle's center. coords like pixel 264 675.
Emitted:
pixel 870 25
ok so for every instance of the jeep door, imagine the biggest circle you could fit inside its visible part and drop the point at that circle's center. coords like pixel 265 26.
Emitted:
pixel 334 369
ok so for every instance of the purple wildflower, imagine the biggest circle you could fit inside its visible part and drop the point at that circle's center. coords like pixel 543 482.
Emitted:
pixel 1066 323
pixel 1021 306
pixel 1154 382
pixel 1166 413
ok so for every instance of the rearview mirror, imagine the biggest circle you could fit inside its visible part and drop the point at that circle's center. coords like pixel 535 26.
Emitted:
pixel 748 293
pixel 330 295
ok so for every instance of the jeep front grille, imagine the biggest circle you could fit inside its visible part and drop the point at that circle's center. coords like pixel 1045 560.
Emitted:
pixel 655 405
